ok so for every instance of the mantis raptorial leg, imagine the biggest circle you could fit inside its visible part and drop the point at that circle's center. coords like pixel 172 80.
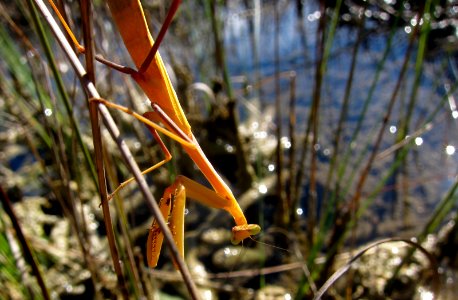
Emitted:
pixel 172 207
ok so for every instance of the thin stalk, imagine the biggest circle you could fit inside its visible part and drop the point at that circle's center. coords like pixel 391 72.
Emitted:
pixel 128 157
pixel 97 139
pixel 292 150
pixel 342 118
pixel 220 58
pixel 6 203
pixel 422 44
pixel 283 214
pixel 14 269
pixel 61 88
pixel 405 121
pixel 313 124
pixel 59 156
pixel 303 154
pixel 65 195
pixel 123 225
pixel 254 27
pixel 377 189
pixel 327 220
pixel 427 125
pixel 364 175
pixel 86 14
pixel 444 207
pixel 22 75
pixel 323 51
pixel 348 212
pixel 441 211
pixel 362 116
pixel 145 282
pixel 348 265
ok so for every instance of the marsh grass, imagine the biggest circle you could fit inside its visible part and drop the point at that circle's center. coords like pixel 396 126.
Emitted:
pixel 47 119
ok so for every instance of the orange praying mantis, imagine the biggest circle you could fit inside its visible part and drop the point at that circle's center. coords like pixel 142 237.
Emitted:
pixel 153 79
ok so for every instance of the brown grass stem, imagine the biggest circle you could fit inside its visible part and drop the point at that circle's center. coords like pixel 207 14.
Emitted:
pixel 331 280
pixel 343 113
pixel 348 212
pixel 292 150
pixel 314 122
pixel 86 13
pixel 283 215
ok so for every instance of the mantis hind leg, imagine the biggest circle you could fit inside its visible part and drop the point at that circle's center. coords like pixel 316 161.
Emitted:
pixel 150 119
pixel 166 159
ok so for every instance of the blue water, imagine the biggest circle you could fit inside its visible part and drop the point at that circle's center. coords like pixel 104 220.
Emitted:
pixel 431 170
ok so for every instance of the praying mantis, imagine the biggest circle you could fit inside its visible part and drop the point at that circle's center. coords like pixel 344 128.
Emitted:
pixel 153 79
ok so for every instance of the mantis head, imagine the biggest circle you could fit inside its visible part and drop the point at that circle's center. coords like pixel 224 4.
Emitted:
pixel 241 232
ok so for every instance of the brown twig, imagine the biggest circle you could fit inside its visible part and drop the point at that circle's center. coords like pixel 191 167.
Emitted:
pixel 86 14
pixel 282 204
pixel 292 150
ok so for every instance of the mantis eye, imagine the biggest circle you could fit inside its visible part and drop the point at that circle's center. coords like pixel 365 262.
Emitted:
pixel 241 232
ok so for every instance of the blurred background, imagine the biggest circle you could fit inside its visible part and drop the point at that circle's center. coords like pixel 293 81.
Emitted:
pixel 334 122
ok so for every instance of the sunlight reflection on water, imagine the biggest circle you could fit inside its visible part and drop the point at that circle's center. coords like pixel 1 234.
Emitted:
pixel 297 47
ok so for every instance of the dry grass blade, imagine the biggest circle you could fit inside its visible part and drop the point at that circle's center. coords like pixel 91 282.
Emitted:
pixel 92 93
pixel 97 140
pixel 347 266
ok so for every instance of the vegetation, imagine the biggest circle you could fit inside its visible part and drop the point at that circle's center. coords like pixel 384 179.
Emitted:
pixel 337 133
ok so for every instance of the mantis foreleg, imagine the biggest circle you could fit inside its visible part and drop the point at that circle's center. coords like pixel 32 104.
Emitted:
pixel 172 208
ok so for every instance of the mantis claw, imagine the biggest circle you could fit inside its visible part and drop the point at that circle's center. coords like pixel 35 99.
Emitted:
pixel 241 232
pixel 109 197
